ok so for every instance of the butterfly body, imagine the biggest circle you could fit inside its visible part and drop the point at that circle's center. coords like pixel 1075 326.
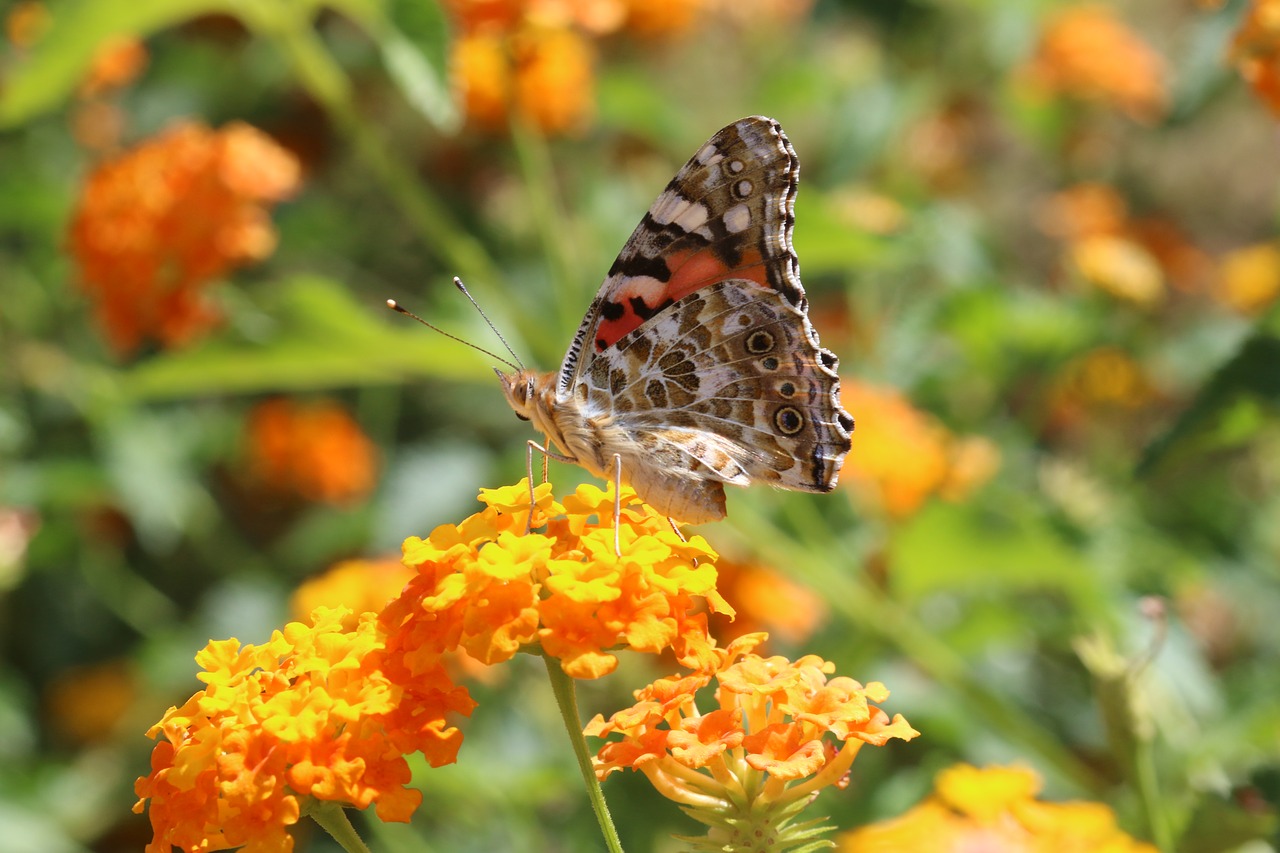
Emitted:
pixel 696 364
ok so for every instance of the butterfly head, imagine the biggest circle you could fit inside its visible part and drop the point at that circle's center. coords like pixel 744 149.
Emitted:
pixel 520 386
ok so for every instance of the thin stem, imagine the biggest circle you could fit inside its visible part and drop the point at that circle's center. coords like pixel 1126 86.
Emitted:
pixel 327 82
pixel 566 694
pixel 539 180
pixel 332 818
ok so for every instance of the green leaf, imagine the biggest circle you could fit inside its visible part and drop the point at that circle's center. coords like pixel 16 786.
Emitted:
pixel 1252 374
pixel 79 28
pixel 326 340
pixel 414 45
pixel 950 546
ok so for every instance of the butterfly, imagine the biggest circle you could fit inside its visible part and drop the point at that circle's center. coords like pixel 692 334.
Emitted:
pixel 696 364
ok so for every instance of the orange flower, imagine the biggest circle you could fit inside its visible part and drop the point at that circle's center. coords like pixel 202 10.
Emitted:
pixel 27 23
pixel 779 734
pixel 312 713
pixel 116 63
pixel 316 451
pixel 765 600
pixel 112 687
pixel 1256 51
pixel 1131 259
pixel 1249 278
pixel 993 810
pixel 542 74
pixel 656 19
pixel 153 226
pixel 1121 267
pixel 1086 53
pixel 488 586
pixel 360 585
pixel 901 455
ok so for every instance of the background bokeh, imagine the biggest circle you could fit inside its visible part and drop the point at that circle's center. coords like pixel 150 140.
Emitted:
pixel 1041 236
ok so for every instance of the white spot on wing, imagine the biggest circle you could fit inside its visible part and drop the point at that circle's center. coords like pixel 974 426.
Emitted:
pixel 673 207
pixel 737 218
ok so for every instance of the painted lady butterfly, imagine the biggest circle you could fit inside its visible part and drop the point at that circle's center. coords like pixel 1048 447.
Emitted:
pixel 696 364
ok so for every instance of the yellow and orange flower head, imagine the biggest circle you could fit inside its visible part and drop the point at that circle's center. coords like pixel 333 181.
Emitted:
pixel 490 585
pixel 779 732
pixel 993 809
pixel 1086 53
pixel 154 226
pixel 314 451
pixel 313 713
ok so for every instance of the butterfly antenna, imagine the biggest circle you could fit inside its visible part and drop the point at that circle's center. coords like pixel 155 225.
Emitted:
pixel 457 282
pixel 396 306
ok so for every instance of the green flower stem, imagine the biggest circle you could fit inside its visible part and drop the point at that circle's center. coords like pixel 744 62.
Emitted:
pixel 539 180
pixel 868 607
pixel 327 82
pixel 567 700
pixel 332 818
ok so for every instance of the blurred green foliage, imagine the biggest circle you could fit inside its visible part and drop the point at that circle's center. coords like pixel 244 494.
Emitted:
pixel 121 471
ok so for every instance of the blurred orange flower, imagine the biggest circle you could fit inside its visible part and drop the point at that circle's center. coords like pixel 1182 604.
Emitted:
pixel 314 451
pixel 1256 51
pixel 777 734
pixel 1085 52
pixel 1121 267
pixel 765 600
pixel 26 23
pixel 902 455
pixel 534 59
pixel 155 225
pixel 310 714
pixel 491 584
pixel 87 704
pixel 543 75
pixel 993 810
pixel 359 585
pixel 1105 378
pixel 1131 259
pixel 1249 278
pixel 116 63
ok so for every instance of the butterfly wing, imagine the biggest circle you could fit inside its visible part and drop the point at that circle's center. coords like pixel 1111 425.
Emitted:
pixel 728 213
pixel 698 346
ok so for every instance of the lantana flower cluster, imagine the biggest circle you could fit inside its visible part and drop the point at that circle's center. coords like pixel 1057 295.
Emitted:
pixel 154 226
pixel 994 809
pixel 492 585
pixel 776 734
pixel 312 713
pixel 327 713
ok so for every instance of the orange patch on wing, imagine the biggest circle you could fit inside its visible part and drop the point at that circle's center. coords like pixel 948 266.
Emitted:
pixel 691 271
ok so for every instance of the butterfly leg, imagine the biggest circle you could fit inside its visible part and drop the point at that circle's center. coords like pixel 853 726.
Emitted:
pixel 617 502
pixel 528 466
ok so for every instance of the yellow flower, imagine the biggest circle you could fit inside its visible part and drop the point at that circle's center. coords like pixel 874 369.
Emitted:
pixel 1121 267
pixel 1249 278
pixel 779 732
pixel 994 810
